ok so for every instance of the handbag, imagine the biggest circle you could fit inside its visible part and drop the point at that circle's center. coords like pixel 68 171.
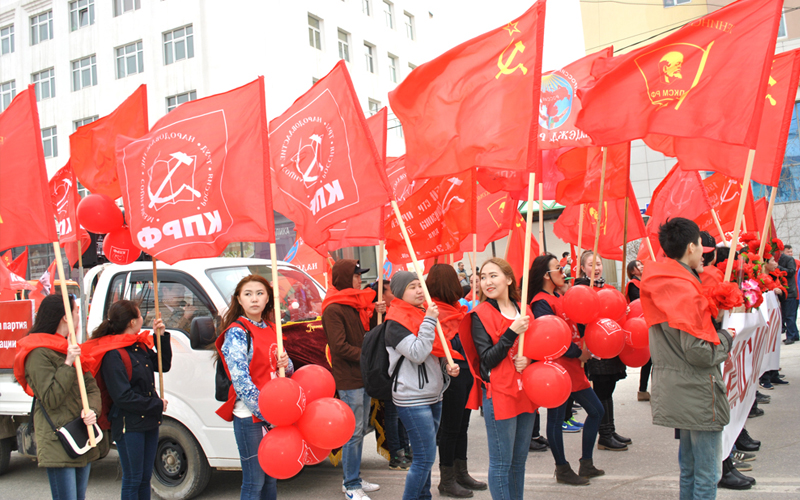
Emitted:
pixel 74 436
pixel 26 436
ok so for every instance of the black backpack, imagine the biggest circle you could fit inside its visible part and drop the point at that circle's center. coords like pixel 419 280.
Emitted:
pixel 375 365
pixel 222 383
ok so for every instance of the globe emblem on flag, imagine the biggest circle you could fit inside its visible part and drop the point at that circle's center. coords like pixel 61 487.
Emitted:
pixel 292 252
pixel 171 180
pixel 555 103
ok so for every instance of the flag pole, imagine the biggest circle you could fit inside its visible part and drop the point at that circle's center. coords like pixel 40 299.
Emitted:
pixel 72 338
pixel 541 218
pixel 83 293
pixel 418 270
pixel 526 259
pixel 381 247
pixel 719 226
pixel 474 256
pixel 748 171
pixel 580 233
pixel 625 245
pixel 508 243
pixel 767 222
pixel 276 299
pixel 599 216
pixel 155 333
pixel 650 248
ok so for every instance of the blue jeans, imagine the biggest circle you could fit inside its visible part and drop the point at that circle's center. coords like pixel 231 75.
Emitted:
pixel 68 483
pixel 421 423
pixel 137 453
pixel 555 417
pixel 256 484
pixel 789 311
pixel 700 457
pixel 359 401
pixel 396 437
pixel 508 441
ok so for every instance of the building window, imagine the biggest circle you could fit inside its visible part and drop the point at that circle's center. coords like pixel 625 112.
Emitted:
pixel 394 125
pixel 81 14
pixel 42 27
pixel 388 13
pixel 123 6
pixel 369 55
pixel 129 59
pixel 314 32
pixel 84 73
pixel 673 3
pixel 392 68
pixel 84 121
pixel 7 92
pixel 409 25
pixel 44 83
pixel 50 142
pixel 176 100
pixel 178 44
pixel 782 26
pixel 7 39
pixel 344 46
pixel 366 8
pixel 374 106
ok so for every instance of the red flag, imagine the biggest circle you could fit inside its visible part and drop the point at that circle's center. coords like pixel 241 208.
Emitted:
pixel 515 183
pixel 494 218
pixel 10 280
pixel 723 193
pixel 475 105
pixel 71 249
pixel 26 214
pixel 44 287
pixel 92 146
pixel 516 248
pixel 310 261
pixel 200 179
pixel 582 168
pixel 64 193
pixel 326 166
pixel 438 216
pixel 19 266
pixel 705 154
pixel 611 227
pixel 559 105
pixel 6 258
pixel 707 79
pixel 680 194
pixel 760 208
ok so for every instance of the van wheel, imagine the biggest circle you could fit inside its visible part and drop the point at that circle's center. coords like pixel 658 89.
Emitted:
pixel 5 453
pixel 181 469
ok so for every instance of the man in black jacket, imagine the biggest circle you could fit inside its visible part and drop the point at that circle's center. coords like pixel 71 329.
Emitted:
pixel 789 306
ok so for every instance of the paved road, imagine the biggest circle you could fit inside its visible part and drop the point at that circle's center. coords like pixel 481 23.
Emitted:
pixel 648 470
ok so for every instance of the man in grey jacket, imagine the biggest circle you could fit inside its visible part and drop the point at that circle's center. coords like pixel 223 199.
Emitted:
pixel 686 350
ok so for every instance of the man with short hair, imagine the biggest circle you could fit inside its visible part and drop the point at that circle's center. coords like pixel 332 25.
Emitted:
pixel 686 349
pixel 463 279
pixel 789 306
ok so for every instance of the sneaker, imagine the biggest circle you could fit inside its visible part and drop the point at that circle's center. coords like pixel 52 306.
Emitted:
pixel 567 427
pixel 366 486
pixel 779 381
pixel 574 422
pixel 399 463
pixel 356 495
pixel 537 444
pixel 742 466
pixel 755 412
pixel 743 456
pixel 762 399
pixel 576 406
pixel 766 385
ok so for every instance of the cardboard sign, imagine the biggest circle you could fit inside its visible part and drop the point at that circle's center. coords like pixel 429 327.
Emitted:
pixel 16 318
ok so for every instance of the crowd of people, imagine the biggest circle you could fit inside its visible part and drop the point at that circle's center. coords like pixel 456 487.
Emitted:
pixel 431 398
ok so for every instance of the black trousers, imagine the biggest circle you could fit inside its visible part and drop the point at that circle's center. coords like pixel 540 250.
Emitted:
pixel 455 417
pixel 644 376
pixel 604 386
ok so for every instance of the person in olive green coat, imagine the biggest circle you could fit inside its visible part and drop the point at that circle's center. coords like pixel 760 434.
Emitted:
pixel 54 381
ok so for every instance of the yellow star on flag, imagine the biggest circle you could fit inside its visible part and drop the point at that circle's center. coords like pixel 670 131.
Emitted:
pixel 512 28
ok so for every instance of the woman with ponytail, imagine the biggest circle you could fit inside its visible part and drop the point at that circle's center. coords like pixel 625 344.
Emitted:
pixel 247 346
pixel 127 370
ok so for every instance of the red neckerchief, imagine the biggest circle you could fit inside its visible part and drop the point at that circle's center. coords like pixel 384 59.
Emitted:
pixel 409 316
pixel 360 300
pixel 97 348
pixel 54 342
pixel 450 318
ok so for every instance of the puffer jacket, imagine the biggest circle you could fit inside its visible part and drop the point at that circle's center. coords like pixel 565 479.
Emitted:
pixel 687 390
pixel 55 385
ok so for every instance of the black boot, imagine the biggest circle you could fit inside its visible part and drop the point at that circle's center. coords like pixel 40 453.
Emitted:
pixel 448 485
pixel 745 443
pixel 464 479
pixel 730 479
pixel 565 475
pixel 607 440
pixel 588 469
pixel 621 439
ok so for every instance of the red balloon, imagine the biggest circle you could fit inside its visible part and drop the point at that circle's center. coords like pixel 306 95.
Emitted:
pixel 327 423
pixel 118 247
pixel 637 335
pixel 550 338
pixel 315 455
pixel 282 452
pixel 581 304
pixel 612 304
pixel 604 338
pixel 635 309
pixel 99 214
pixel 316 381
pixel 634 357
pixel 547 384
pixel 282 401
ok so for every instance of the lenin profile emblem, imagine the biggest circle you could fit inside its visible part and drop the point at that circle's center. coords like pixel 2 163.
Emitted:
pixel 671 71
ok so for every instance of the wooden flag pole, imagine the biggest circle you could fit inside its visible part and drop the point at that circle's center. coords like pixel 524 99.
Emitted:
pixel 748 171
pixel 155 334
pixel 599 216
pixel 381 256
pixel 84 335
pixel 767 223
pixel 625 245
pixel 276 294
pixel 418 270
pixel 580 233
pixel 474 256
pixel 719 227
pixel 541 218
pixel 508 243
pixel 650 248
pixel 526 260
pixel 73 339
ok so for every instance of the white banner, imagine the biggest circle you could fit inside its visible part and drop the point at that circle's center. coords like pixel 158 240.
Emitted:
pixel 753 347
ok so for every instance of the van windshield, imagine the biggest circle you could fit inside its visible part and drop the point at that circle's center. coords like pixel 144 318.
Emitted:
pixel 300 296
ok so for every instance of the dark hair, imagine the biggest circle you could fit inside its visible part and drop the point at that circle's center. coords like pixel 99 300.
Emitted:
pixel 374 287
pixel 787 247
pixel 565 254
pixel 120 315
pixel 465 290
pixel 708 241
pixel 508 271
pixel 539 269
pixel 235 310
pixel 722 254
pixel 631 268
pixel 676 234
pixel 443 284
pixel 50 313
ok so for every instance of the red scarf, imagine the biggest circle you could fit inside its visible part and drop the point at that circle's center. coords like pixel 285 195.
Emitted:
pixel 97 348
pixel 360 300
pixel 33 341
pixel 674 295
pixel 711 276
pixel 450 318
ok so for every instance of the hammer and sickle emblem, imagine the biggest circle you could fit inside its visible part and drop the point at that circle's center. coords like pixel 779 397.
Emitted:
pixel 772 99
pixel 505 68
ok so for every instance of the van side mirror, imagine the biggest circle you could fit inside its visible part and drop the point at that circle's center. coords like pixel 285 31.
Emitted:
pixel 202 332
